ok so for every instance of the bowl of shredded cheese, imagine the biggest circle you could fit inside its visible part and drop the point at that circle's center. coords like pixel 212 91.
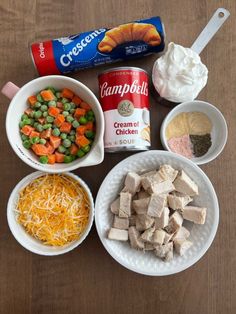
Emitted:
pixel 50 214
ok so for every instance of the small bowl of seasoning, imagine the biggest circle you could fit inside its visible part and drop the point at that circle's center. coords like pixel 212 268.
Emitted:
pixel 196 130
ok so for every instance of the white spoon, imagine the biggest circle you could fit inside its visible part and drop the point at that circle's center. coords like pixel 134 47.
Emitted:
pixel 216 21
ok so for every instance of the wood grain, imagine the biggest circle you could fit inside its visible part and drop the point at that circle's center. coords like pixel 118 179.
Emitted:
pixel 88 280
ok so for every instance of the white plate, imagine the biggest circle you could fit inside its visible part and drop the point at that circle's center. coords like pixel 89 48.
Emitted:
pixel 201 235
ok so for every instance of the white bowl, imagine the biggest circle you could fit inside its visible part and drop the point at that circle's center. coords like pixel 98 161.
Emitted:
pixel 201 235
pixel 19 104
pixel 219 132
pixel 29 242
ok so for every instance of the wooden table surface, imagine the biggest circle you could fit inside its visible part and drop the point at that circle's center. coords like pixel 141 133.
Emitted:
pixel 88 280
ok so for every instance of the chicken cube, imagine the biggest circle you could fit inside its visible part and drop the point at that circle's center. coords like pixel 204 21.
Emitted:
pixel 143 222
pixel 182 233
pixel 181 246
pixel 178 202
pixel 141 205
pixel 146 236
pixel 133 182
pixel 163 187
pixel 195 214
pixel 148 174
pixel 168 237
pixel 120 223
pixel 149 181
pixel 167 173
pixel 125 204
pixel 115 206
pixel 118 234
pixel 165 252
pixel 148 246
pixel 158 236
pixel 134 238
pixel 156 205
pixel 175 222
pixel 185 185
pixel 162 221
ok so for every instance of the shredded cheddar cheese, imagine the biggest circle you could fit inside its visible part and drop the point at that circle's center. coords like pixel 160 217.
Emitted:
pixel 54 209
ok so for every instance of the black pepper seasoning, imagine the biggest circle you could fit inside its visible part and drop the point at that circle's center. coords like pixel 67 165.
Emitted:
pixel 201 144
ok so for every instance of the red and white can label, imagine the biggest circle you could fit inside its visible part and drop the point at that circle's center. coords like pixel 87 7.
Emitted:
pixel 125 102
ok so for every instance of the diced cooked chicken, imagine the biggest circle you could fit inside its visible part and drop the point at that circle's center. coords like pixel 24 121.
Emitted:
pixel 143 222
pixel 133 182
pixel 185 185
pixel 115 206
pixel 147 235
pixel 143 194
pixel 178 202
pixel 120 223
pixel 163 187
pixel 162 221
pixel 134 237
pixel 148 182
pixel 132 220
pixel 182 233
pixel 148 174
pixel 181 246
pixel 118 234
pixel 125 204
pixel 158 236
pixel 166 172
pixel 148 246
pixel 156 205
pixel 168 237
pixel 165 252
pixel 141 205
pixel 175 222
pixel 195 214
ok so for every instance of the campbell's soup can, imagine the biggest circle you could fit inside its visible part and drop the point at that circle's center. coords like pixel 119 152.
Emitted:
pixel 125 103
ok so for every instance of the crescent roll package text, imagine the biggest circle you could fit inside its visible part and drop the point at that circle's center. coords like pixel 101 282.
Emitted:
pixel 100 46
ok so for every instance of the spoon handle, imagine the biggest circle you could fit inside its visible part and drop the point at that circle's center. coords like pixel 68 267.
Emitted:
pixel 216 21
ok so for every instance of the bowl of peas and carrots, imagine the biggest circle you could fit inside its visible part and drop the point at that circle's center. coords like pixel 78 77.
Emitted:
pixel 56 124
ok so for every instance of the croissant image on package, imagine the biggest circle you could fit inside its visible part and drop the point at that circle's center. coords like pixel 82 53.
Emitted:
pixel 129 32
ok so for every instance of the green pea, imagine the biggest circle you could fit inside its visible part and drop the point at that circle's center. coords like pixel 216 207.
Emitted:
pixel 69 119
pixel 56 132
pixel 32 121
pixel 36 124
pixel 27 144
pixel 24 137
pixel 80 153
pixel 44 108
pixel 51 88
pixel 68 159
pixel 61 149
pixel 90 134
pixel 66 106
pixel 58 95
pixel 39 128
pixel 71 138
pixel 72 105
pixel 39 98
pixel 64 100
pixel 83 120
pixel 52 103
pixel 45 114
pixel 86 148
pixel 49 119
pixel 66 143
pixel 63 136
pixel 21 124
pixel 90 118
pixel 38 114
pixel 47 126
pixel 75 124
pixel 24 116
pixel 27 121
pixel 72 132
pixel 32 113
pixel 37 105
pixel 43 159
pixel 65 113
pixel 42 141
pixel 34 140
pixel 90 113
pixel 72 111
